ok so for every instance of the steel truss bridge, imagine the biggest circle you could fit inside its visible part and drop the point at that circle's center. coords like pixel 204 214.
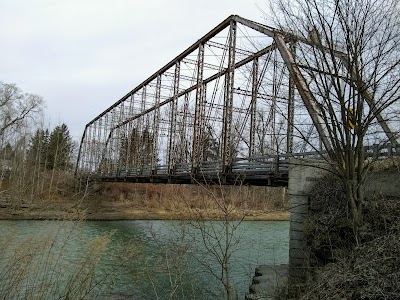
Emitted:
pixel 233 107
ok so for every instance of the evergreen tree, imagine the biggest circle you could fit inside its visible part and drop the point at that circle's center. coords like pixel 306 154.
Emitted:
pixel 38 148
pixel 59 148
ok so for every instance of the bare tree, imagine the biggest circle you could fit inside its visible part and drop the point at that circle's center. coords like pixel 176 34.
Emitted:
pixel 218 225
pixel 349 55
pixel 18 111
pixel 17 107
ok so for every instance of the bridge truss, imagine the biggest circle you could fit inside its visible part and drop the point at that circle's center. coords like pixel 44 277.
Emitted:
pixel 230 107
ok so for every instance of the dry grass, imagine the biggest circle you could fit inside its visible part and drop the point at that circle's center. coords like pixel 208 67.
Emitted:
pixel 54 196
pixel 352 265
pixel 391 163
pixel 42 267
pixel 184 201
pixel 371 271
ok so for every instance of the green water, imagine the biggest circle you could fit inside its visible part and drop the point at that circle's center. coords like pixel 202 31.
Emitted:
pixel 143 259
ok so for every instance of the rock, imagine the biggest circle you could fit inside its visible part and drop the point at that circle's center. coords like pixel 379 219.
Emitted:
pixel 266 280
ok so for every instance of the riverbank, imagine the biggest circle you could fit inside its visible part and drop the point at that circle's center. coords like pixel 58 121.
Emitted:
pixel 124 211
pixel 128 201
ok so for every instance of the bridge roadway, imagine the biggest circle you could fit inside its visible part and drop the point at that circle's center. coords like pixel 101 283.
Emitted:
pixel 263 170
pixel 269 170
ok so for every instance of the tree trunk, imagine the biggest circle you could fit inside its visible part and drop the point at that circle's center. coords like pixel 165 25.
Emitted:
pixel 355 194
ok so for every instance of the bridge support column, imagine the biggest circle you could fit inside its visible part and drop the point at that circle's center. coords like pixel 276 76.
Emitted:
pixel 302 175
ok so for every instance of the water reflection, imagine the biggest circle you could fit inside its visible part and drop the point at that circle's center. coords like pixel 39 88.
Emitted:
pixel 157 259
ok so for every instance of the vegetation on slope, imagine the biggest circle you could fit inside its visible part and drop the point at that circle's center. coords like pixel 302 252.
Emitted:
pixel 345 264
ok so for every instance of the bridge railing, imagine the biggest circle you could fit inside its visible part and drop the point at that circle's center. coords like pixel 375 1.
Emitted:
pixel 261 165
pixel 183 168
pixel 254 168
pixel 382 151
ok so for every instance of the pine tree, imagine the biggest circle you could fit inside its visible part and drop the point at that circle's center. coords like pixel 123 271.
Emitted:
pixel 38 148
pixel 59 148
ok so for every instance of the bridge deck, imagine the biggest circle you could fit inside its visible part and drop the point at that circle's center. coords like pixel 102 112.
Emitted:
pixel 272 179
pixel 271 170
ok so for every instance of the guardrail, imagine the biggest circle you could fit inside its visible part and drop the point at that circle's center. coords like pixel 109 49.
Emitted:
pixel 254 170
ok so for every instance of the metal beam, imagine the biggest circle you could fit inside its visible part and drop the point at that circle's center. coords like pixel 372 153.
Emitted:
pixel 185 53
pixel 205 81
pixel 228 98
pixel 253 107
pixel 198 117
pixel 173 113
pixel 290 108
pixel 369 98
pixel 156 124
pixel 308 98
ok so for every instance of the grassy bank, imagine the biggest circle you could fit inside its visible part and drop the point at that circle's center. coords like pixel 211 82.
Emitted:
pixel 116 201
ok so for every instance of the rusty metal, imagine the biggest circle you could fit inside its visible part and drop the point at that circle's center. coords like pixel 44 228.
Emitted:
pixel 198 109
pixel 290 108
pixel 217 110
pixel 253 109
pixel 308 98
pixel 173 114
pixel 156 124
pixel 227 117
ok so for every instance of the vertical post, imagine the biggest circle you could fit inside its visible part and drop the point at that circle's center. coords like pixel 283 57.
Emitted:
pixel 81 153
pixel 88 155
pixel 228 99
pixel 94 152
pixel 96 144
pixel 128 136
pixel 253 107
pixel 113 145
pixel 109 143
pixel 290 108
pixel 274 143
pixel 140 131
pixel 197 114
pixel 203 123
pixel 121 135
pixel 183 139
pixel 89 149
pixel 172 127
pixel 156 125
pixel 104 156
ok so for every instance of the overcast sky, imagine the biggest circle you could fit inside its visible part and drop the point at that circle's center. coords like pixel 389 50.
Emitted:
pixel 83 55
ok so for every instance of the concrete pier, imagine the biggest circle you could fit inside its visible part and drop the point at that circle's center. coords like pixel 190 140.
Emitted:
pixel 302 176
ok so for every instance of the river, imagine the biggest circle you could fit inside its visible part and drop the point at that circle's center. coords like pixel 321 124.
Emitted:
pixel 138 259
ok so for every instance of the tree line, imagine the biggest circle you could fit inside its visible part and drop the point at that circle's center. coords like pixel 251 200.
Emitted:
pixel 46 150
pixel 33 160
pixel 51 150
